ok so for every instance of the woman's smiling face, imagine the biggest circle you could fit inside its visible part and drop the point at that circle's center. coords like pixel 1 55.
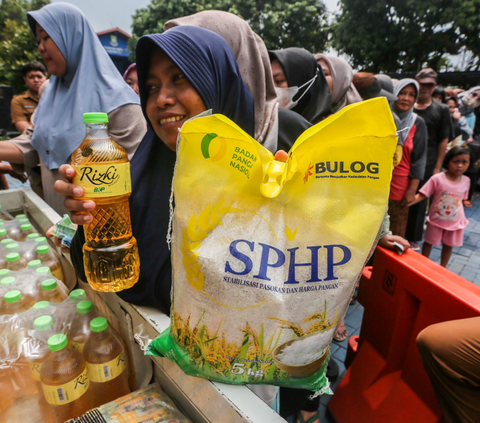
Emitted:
pixel 171 98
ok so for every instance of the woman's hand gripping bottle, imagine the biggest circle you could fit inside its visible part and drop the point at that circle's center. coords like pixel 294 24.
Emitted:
pixel 103 171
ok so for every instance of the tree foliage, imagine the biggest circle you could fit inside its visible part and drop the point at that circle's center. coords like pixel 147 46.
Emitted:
pixel 280 23
pixel 17 45
pixel 405 35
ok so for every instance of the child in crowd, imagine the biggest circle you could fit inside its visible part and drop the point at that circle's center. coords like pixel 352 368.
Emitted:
pixel 446 218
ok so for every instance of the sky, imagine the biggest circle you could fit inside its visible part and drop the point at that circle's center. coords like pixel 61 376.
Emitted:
pixel 107 14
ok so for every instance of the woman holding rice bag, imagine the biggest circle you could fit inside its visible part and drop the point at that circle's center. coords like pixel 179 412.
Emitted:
pixel 171 91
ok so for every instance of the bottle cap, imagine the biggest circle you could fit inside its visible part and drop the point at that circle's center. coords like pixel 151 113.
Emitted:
pixel 40 239
pixel 44 270
pixel 23 221
pixel 9 280
pixel 20 216
pixel 32 236
pixel 3 232
pixel 13 246
pixel 57 342
pixel 26 227
pixel 12 296
pixel 49 284
pixel 43 249
pixel 84 307
pixel 77 295
pixel 95 118
pixel 43 323
pixel 99 324
pixel 6 241
pixel 11 257
pixel 4 273
pixel 41 305
pixel 34 264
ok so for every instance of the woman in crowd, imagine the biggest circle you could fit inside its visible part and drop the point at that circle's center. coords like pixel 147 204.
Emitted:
pixel 300 83
pixel 83 79
pixel 276 129
pixel 339 75
pixel 410 171
pixel 131 78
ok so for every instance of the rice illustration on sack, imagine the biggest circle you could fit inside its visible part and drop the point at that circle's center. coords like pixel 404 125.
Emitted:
pixel 266 255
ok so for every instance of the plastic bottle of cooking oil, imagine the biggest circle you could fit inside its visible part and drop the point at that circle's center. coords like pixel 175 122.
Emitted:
pixel 48 259
pixel 51 291
pixel 33 265
pixel 15 262
pixel 3 233
pixel 15 302
pixel 38 350
pixel 106 363
pixel 103 171
pixel 78 295
pixel 65 380
pixel 25 230
pixel 80 330
pixel 43 273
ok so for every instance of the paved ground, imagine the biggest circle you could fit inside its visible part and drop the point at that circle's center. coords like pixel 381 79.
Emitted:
pixel 465 262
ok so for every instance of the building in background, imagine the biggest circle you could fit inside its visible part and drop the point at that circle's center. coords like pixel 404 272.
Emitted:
pixel 115 42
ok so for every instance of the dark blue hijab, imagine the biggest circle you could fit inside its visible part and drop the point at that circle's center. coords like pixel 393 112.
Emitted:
pixel 208 63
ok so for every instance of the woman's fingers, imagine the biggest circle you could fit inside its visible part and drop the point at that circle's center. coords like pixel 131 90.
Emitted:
pixel 73 205
pixel 67 189
pixel 80 219
pixel 67 172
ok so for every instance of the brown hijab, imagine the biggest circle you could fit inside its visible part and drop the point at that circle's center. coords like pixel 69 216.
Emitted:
pixel 344 92
pixel 254 63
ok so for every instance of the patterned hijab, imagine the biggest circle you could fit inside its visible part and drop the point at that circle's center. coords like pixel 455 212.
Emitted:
pixel 344 92
pixel 254 64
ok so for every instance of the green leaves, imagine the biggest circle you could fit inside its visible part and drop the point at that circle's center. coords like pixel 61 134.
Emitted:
pixel 17 44
pixel 280 23
pixel 405 35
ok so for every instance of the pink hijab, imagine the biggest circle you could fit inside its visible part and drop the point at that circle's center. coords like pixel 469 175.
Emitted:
pixel 344 92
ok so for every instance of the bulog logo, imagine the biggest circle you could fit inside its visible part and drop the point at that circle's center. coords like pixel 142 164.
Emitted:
pixel 341 167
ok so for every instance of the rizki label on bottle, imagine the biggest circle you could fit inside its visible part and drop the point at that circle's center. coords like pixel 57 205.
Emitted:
pixel 104 180
pixel 107 371
pixel 68 392
pixel 35 370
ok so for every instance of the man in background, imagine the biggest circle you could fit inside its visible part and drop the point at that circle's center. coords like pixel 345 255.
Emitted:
pixel 440 130
pixel 24 104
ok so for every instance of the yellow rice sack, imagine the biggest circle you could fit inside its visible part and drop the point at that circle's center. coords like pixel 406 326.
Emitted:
pixel 265 254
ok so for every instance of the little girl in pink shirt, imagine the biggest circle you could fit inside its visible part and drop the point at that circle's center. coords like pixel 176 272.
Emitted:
pixel 446 217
